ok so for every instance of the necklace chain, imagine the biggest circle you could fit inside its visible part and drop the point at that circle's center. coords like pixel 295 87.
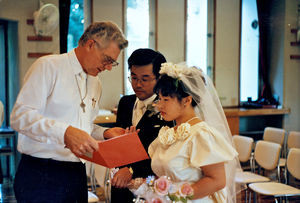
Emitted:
pixel 82 104
pixel 191 119
pixel 186 121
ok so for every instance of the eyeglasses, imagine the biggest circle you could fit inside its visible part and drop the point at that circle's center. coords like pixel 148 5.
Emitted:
pixel 143 81
pixel 107 59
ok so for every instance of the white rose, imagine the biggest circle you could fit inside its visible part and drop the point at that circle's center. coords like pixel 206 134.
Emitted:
pixel 166 135
pixel 170 69
pixel 183 131
pixel 173 188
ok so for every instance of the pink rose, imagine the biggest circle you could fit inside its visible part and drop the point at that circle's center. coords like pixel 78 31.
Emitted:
pixel 161 186
pixel 186 190
pixel 156 200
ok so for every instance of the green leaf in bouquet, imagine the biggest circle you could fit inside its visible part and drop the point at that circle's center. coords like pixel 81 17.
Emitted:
pixel 183 200
pixel 174 197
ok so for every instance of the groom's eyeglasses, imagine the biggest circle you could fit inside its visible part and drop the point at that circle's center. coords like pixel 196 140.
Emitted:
pixel 143 81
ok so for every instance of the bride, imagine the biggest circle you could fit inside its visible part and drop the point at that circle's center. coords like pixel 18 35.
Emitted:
pixel 198 150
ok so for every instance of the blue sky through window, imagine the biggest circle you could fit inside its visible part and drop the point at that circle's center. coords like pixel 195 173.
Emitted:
pixel 76 23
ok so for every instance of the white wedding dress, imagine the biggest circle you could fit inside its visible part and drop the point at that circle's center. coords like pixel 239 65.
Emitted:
pixel 180 153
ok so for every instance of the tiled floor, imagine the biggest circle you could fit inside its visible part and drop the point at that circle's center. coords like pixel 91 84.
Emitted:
pixel 7 192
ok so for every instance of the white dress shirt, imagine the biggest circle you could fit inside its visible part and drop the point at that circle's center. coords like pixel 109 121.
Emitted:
pixel 49 102
pixel 136 117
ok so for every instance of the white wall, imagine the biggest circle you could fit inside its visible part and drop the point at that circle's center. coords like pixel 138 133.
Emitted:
pixel 291 73
pixel 227 51
pixel 20 11
pixel 113 82
pixel 170 29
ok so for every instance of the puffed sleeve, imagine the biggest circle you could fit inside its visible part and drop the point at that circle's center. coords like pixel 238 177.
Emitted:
pixel 152 147
pixel 210 147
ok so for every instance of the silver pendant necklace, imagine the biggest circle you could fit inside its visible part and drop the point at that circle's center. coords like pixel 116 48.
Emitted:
pixel 82 104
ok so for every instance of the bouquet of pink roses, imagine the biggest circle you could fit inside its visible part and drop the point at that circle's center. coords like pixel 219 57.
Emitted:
pixel 160 190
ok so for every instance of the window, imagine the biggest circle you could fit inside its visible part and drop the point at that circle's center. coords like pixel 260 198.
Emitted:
pixel 3 68
pixel 9 68
pixel 249 51
pixel 199 40
pixel 76 23
pixel 139 30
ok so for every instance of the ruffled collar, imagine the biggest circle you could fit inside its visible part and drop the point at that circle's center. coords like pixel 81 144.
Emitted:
pixel 168 136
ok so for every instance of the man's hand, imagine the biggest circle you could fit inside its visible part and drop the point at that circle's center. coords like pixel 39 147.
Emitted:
pixel 117 131
pixel 79 142
pixel 121 178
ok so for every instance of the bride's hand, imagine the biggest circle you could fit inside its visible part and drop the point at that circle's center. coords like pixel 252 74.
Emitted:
pixel 121 178
pixel 135 183
pixel 117 131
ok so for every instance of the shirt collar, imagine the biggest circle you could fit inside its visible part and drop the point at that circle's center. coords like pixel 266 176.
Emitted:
pixel 77 68
pixel 146 101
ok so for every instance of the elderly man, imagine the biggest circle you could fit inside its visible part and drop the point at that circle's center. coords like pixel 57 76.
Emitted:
pixel 54 115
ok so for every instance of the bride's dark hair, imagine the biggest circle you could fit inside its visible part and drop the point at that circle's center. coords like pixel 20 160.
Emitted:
pixel 172 87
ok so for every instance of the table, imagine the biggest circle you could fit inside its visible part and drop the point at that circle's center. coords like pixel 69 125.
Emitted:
pixel 110 118
pixel 234 115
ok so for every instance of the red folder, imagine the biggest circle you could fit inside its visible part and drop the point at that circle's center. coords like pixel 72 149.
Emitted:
pixel 118 151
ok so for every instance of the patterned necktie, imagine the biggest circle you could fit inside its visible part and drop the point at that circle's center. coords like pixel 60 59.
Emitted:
pixel 138 113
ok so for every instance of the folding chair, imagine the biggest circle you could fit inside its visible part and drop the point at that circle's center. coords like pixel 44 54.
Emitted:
pixel 279 190
pixel 266 154
pixel 244 146
pixel 293 141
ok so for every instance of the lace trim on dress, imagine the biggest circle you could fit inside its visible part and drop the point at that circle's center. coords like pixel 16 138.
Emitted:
pixel 168 136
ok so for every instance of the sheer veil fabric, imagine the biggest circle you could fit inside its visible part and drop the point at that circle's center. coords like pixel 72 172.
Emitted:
pixel 209 109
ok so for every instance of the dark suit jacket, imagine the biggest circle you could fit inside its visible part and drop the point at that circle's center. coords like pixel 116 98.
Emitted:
pixel 149 126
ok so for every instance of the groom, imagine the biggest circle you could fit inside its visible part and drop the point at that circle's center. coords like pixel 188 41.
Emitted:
pixel 137 110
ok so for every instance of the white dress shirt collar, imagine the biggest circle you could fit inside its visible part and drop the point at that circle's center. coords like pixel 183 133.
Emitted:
pixel 75 64
pixel 146 101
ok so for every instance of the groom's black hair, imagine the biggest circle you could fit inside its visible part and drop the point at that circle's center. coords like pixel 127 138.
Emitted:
pixel 142 57
pixel 172 87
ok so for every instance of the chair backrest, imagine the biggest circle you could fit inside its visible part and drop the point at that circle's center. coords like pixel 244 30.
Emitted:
pixel 293 162
pixel 243 146
pixel 274 135
pixel 293 140
pixel 267 154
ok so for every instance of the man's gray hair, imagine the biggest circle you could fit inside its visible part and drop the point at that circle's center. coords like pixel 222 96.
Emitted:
pixel 106 32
